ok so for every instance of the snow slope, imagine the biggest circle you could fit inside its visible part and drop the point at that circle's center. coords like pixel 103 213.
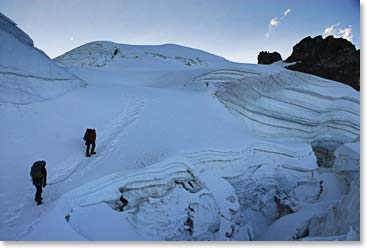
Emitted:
pixel 26 73
pixel 202 149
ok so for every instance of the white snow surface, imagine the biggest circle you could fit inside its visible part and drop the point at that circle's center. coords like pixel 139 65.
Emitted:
pixel 202 148
pixel 27 74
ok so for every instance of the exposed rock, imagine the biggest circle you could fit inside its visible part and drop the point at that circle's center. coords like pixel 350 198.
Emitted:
pixel 268 58
pixel 332 58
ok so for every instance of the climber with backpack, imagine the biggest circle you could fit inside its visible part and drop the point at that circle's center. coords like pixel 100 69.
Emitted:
pixel 90 139
pixel 39 175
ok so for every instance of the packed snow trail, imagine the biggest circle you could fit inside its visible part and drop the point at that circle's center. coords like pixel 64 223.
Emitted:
pixel 106 139
pixel 63 171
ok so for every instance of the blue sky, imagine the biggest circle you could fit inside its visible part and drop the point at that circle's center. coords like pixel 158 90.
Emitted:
pixel 234 29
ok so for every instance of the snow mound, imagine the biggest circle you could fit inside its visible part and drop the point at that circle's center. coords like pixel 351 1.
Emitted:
pixel 26 73
pixel 105 54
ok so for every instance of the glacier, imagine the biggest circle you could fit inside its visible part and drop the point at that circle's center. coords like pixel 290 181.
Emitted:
pixel 201 147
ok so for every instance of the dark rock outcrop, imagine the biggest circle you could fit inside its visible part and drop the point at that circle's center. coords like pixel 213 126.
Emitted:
pixel 332 58
pixel 268 58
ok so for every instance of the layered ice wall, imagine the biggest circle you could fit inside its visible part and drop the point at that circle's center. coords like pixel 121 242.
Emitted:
pixel 289 106
pixel 202 195
pixel 26 73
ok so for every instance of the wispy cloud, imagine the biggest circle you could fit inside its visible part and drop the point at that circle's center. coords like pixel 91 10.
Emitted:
pixel 331 30
pixel 274 22
pixel 286 12
pixel 346 33
pixel 335 31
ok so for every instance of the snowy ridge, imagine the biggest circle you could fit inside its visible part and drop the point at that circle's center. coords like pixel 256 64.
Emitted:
pixel 289 105
pixel 106 54
pixel 26 73
pixel 9 26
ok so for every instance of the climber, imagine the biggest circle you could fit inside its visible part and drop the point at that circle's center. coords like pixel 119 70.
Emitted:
pixel 39 175
pixel 90 139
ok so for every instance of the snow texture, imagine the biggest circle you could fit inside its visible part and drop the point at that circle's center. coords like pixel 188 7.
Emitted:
pixel 200 147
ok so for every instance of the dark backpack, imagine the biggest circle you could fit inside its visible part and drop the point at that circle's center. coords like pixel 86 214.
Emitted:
pixel 37 169
pixel 88 136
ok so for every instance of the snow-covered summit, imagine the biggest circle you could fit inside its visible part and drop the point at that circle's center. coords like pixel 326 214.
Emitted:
pixel 106 53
